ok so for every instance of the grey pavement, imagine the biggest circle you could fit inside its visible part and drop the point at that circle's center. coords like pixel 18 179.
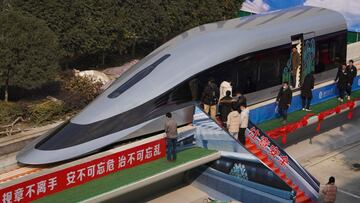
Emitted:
pixel 339 165
pixel 332 153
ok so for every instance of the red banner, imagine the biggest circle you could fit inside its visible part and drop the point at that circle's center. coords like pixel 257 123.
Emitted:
pixel 79 174
pixel 265 145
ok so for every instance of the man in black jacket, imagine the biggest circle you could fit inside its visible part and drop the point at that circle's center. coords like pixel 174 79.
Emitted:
pixel 352 70
pixel 283 101
pixel 343 81
pixel 225 107
pixel 306 91
pixel 210 98
pixel 240 99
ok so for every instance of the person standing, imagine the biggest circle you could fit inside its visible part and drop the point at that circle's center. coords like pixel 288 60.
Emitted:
pixel 352 70
pixel 329 191
pixel 306 91
pixel 194 88
pixel 295 63
pixel 225 107
pixel 171 137
pixel 342 79
pixel 283 101
pixel 224 87
pixel 210 98
pixel 233 121
pixel 244 121
pixel 240 98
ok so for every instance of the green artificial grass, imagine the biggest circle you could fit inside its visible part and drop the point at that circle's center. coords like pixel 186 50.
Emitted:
pixel 298 115
pixel 124 177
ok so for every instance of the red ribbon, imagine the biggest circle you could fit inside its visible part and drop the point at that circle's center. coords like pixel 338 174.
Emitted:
pixel 350 104
pixel 351 108
pixel 322 116
pixel 283 131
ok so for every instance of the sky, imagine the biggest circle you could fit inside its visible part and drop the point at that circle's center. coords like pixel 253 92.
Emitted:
pixel 349 8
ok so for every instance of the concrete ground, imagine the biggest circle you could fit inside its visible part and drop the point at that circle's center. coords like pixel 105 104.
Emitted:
pixel 182 195
pixel 333 153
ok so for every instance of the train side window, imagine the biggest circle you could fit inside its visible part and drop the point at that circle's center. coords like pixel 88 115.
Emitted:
pixel 330 52
pixel 137 77
pixel 247 75
pixel 269 76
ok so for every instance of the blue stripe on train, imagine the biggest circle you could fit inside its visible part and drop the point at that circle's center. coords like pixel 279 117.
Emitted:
pixel 268 112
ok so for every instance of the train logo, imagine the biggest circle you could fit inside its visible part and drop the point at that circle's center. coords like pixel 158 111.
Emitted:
pixel 320 94
pixel 327 93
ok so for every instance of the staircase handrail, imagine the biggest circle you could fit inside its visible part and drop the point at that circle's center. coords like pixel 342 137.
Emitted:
pixel 292 162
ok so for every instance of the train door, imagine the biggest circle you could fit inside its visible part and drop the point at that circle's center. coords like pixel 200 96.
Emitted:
pixel 305 61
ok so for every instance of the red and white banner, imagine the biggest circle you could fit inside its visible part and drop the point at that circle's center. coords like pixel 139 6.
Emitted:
pixel 264 143
pixel 79 174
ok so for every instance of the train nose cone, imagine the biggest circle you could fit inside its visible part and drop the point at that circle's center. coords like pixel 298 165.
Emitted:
pixel 29 155
pixel 32 157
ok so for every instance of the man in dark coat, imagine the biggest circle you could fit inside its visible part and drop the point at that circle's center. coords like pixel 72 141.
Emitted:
pixel 352 70
pixel 240 99
pixel 194 88
pixel 343 81
pixel 306 91
pixel 210 98
pixel 283 101
pixel 225 107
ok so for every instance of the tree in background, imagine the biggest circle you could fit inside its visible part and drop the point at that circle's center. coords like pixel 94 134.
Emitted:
pixel 84 27
pixel 150 23
pixel 113 28
pixel 28 51
pixel 4 5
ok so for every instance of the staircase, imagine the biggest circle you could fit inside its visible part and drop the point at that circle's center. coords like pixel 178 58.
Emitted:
pixel 284 166
pixel 300 195
pixel 252 144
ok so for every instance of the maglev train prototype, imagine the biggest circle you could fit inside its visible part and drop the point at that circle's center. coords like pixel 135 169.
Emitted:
pixel 250 51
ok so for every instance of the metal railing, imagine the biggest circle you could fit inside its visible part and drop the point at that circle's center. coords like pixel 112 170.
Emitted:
pixel 293 169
